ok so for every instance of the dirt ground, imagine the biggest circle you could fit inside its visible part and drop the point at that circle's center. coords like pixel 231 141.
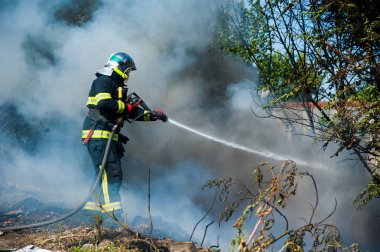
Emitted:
pixel 90 239
pixel 78 233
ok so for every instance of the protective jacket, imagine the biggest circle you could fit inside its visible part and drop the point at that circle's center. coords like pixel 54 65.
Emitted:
pixel 106 105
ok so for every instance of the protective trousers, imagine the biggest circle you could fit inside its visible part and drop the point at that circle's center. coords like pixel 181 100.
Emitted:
pixel 109 186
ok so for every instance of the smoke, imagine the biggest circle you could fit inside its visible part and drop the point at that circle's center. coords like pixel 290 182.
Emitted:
pixel 50 51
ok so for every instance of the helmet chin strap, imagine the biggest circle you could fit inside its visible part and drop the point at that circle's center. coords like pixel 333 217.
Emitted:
pixel 118 71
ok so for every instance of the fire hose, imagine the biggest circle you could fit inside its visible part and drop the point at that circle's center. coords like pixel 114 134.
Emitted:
pixel 93 188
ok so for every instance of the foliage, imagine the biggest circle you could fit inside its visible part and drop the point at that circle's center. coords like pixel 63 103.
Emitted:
pixel 372 191
pixel 98 227
pixel 314 56
pixel 264 201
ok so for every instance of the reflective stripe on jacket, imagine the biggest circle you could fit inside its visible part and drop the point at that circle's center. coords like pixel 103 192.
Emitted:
pixel 103 96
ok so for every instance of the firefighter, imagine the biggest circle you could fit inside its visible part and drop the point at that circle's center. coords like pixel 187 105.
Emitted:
pixel 107 103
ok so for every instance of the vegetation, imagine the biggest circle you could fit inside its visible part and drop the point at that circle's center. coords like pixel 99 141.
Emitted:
pixel 264 201
pixel 318 57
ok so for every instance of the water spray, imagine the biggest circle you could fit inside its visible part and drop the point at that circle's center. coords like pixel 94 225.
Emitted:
pixel 267 154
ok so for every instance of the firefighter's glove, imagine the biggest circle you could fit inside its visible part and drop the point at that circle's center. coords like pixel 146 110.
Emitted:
pixel 159 115
pixel 123 139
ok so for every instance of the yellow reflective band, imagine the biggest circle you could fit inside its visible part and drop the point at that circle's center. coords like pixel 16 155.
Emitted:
pixel 102 96
pixel 117 70
pixel 105 188
pixel 146 115
pixel 91 101
pixel 121 107
pixel 102 134
pixel 94 100
pixel 106 207
pixel 112 206
pixel 91 206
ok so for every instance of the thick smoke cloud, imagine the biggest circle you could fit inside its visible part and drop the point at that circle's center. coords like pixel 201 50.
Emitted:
pixel 50 51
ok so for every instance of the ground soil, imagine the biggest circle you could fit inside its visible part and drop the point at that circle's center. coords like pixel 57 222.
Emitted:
pixel 91 239
pixel 88 239
pixel 77 233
